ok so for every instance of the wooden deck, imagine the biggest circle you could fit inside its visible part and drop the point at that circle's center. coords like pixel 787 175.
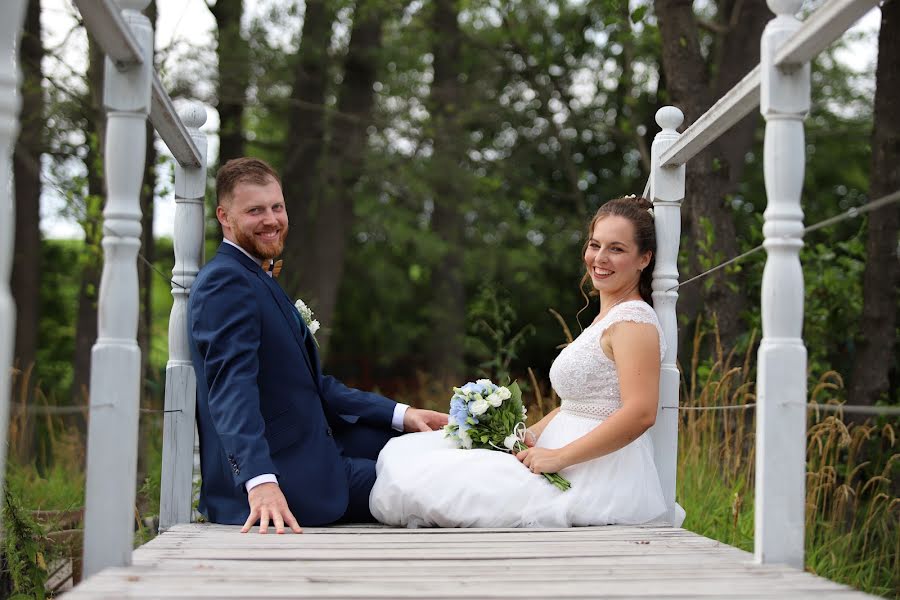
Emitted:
pixel 213 561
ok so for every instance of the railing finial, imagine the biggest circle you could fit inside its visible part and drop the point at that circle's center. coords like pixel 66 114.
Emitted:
pixel 192 114
pixel 669 118
pixel 785 7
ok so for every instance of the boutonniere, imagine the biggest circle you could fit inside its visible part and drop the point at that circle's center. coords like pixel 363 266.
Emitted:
pixel 306 314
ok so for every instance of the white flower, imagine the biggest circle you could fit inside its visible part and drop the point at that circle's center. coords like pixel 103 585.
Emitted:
pixel 465 440
pixel 494 400
pixel 503 393
pixel 485 382
pixel 314 327
pixel 510 441
pixel 479 407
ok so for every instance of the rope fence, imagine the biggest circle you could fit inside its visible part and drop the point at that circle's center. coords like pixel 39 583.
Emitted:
pixel 844 408
pixel 35 409
pixel 850 213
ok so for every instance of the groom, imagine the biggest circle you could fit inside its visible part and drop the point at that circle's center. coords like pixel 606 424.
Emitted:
pixel 279 441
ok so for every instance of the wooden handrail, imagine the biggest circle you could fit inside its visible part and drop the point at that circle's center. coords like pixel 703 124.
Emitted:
pixel 820 29
pixel 103 21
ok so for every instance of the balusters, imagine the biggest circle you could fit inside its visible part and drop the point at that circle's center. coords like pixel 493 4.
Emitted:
pixel 178 428
pixel 781 376
pixel 667 193
pixel 116 357
pixel 10 102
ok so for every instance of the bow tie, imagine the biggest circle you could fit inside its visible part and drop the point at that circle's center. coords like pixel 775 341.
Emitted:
pixel 273 267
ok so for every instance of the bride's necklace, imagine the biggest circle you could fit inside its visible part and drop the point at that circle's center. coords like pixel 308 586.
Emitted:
pixel 617 302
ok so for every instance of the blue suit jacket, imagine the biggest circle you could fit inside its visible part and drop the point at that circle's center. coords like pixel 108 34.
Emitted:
pixel 263 404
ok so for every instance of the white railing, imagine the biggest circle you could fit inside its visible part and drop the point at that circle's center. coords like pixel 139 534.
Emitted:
pixel 780 86
pixel 133 93
pixel 10 101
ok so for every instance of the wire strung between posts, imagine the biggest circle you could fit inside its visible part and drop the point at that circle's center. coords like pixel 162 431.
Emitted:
pixel 112 231
pixel 850 213
pixel 846 408
pixel 68 410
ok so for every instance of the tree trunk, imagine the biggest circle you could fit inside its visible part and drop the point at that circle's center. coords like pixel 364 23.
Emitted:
pixel 306 140
pixel 877 339
pixel 713 174
pixel 27 172
pixel 146 277
pixel 92 222
pixel 444 353
pixel 344 165
pixel 233 54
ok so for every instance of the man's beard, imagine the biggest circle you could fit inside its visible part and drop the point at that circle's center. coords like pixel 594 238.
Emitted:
pixel 251 244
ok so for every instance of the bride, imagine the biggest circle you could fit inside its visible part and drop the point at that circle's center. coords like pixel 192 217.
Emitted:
pixel 608 380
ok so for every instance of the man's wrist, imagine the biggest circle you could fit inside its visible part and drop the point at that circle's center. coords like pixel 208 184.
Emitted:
pixel 259 480
pixel 399 415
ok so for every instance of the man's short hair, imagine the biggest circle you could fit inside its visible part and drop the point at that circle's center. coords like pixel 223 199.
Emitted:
pixel 242 170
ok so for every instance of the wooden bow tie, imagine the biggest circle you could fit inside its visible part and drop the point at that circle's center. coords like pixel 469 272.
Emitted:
pixel 270 266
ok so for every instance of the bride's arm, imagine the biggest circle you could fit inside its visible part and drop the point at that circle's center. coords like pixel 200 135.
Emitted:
pixel 538 428
pixel 635 348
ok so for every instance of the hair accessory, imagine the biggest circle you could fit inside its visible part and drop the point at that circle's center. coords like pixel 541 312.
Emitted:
pixel 629 196
pixel 650 210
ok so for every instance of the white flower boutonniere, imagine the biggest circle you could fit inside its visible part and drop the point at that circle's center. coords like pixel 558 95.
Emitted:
pixel 306 314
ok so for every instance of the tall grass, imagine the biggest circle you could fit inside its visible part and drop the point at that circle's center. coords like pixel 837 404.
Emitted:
pixel 852 508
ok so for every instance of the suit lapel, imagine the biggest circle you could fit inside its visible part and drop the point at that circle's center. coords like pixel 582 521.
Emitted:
pixel 291 316
pixel 284 304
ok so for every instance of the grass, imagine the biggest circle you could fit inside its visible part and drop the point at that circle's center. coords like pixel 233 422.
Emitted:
pixel 852 508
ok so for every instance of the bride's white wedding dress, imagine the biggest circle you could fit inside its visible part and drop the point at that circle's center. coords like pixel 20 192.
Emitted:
pixel 424 480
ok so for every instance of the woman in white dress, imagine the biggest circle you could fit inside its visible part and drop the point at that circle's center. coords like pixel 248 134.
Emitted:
pixel 608 381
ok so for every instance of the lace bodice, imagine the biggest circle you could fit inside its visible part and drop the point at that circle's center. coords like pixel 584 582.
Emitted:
pixel 584 377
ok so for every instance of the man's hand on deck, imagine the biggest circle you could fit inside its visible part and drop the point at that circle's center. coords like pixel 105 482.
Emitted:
pixel 268 503
pixel 417 419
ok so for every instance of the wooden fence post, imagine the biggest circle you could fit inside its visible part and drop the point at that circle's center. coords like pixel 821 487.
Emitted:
pixel 181 384
pixel 781 377
pixel 667 193
pixel 10 102
pixel 116 358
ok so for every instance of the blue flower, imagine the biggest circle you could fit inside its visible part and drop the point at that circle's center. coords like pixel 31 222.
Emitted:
pixel 473 388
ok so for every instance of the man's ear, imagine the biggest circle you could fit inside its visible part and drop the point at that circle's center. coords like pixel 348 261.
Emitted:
pixel 221 215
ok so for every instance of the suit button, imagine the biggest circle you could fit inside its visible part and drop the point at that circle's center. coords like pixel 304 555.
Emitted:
pixel 328 432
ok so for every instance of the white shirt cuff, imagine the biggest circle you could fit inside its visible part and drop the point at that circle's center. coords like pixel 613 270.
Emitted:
pixel 399 414
pixel 259 479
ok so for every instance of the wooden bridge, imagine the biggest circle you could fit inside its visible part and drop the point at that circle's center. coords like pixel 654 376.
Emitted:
pixel 205 560
pixel 215 561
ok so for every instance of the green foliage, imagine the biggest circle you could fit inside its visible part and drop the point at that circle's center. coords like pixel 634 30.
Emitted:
pixel 492 316
pixel 24 562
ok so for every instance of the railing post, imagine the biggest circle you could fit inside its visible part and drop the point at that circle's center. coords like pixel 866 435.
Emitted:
pixel 10 102
pixel 667 193
pixel 181 383
pixel 781 376
pixel 116 357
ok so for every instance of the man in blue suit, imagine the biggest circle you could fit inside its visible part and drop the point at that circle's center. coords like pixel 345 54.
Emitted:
pixel 279 441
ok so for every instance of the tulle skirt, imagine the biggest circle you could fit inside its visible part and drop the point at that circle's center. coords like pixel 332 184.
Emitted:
pixel 424 480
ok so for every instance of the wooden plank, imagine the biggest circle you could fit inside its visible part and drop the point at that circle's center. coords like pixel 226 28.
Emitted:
pixel 737 103
pixel 171 129
pixel 103 21
pixel 213 561
pixel 820 30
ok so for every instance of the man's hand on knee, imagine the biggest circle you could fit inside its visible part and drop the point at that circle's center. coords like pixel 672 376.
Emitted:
pixel 267 503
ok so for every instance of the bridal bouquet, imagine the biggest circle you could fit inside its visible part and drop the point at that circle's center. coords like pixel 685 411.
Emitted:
pixel 492 417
